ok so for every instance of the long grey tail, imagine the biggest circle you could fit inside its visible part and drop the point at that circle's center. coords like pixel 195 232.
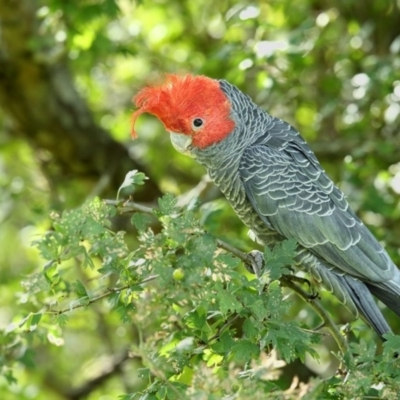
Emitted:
pixel 391 300
pixel 354 294
pixel 360 293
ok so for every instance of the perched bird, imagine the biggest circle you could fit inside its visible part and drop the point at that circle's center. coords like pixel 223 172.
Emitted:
pixel 277 187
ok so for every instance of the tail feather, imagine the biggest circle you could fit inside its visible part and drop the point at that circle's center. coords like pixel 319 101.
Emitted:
pixel 355 294
pixel 369 310
pixel 391 300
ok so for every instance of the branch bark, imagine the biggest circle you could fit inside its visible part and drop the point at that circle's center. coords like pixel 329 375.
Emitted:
pixel 113 366
pixel 38 95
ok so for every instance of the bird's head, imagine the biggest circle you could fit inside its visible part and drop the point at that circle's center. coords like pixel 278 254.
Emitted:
pixel 193 109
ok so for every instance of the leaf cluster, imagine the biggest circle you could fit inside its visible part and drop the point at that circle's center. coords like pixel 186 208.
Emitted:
pixel 212 330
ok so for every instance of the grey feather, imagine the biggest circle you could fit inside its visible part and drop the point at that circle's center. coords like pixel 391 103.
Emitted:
pixel 277 187
pixel 365 304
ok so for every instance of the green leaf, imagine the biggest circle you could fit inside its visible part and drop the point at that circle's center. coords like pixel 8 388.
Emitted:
pixel 224 343
pixel 195 319
pixel 35 319
pixel 141 221
pixel 144 373
pixel 113 299
pixel 79 289
pixel 282 255
pixel 9 376
pixel 245 350
pixel 249 329
pixel 259 309
pixel 204 246
pixel 132 178
pixel 62 320
pixel 392 344
pixel 176 390
pixel 228 260
pixel 290 341
pixel 124 312
pixel 167 204
pixel 275 303
pixel 228 302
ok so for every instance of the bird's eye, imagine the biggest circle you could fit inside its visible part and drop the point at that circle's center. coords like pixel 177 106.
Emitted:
pixel 197 123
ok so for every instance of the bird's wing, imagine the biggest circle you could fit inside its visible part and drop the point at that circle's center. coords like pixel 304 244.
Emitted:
pixel 290 191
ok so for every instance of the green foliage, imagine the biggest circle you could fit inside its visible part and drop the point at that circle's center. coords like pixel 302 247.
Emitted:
pixel 370 376
pixel 196 313
pixel 132 179
pixel 213 321
pixel 148 303
pixel 204 303
pixel 279 257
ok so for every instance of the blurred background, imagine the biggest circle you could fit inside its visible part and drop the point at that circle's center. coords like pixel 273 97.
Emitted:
pixel 68 72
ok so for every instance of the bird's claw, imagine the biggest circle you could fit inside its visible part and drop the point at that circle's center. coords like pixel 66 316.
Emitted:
pixel 256 263
pixel 300 280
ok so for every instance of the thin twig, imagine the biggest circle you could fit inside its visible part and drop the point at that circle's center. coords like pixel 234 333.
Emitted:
pixel 100 296
pixel 236 252
pixel 90 301
pixel 314 332
pixel 129 206
pixel 286 280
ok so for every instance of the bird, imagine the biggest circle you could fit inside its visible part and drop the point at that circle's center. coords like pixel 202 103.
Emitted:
pixel 277 187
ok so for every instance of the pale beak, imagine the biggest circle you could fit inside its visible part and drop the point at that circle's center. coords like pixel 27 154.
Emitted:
pixel 181 142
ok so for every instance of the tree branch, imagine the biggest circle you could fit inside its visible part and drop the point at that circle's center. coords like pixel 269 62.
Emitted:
pixel 100 296
pixel 90 385
pixel 111 366
pixel 317 307
pixel 286 280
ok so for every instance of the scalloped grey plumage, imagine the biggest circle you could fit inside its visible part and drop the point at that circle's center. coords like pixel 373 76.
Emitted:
pixel 277 187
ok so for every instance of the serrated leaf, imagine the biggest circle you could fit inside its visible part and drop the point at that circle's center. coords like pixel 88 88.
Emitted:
pixel 224 344
pixel 195 319
pixel 123 312
pixel 289 340
pixel 62 320
pixel 281 256
pixel 227 301
pixel 259 309
pixel 167 204
pixel 230 261
pixel 391 344
pixel 275 303
pixel 249 329
pixel 79 288
pixel 141 221
pixel 132 178
pixel 204 246
pixel 244 351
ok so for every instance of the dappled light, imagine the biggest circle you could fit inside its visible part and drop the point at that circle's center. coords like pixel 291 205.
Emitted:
pixel 123 270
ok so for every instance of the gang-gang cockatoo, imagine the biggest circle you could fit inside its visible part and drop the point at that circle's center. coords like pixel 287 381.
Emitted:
pixel 277 187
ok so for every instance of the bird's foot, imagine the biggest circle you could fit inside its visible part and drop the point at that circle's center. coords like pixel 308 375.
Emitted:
pixel 313 295
pixel 256 263
pixel 300 280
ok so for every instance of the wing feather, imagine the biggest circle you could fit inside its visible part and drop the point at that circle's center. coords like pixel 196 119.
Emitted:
pixel 291 192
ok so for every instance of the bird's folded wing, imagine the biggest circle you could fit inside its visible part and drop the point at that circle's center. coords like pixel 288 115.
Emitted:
pixel 290 191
